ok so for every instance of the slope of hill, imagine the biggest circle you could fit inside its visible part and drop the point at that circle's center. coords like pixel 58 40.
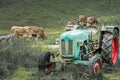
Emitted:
pixel 18 58
pixel 55 13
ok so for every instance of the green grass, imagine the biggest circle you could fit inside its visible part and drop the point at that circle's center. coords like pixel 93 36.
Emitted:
pixel 23 56
pixel 20 74
pixel 56 13
pixel 53 16
pixel 19 62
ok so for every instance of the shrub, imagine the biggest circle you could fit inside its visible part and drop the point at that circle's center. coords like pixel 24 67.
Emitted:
pixel 17 52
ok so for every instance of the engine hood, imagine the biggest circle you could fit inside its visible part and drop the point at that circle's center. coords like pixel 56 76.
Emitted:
pixel 80 34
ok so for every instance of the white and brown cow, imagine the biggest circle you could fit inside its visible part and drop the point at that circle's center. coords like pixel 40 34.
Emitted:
pixel 28 31
pixel 36 31
pixel 92 20
pixel 69 25
pixel 82 20
pixel 18 30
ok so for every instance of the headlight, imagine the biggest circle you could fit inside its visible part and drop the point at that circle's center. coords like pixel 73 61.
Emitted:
pixel 80 43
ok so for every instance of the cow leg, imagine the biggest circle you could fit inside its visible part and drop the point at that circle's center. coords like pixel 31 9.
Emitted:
pixel 30 36
pixel 37 37
pixel 42 36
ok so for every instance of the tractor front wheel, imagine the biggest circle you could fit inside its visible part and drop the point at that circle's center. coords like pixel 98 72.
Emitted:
pixel 44 62
pixel 95 65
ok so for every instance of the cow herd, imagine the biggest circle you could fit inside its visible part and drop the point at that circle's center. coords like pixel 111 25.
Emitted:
pixel 83 21
pixel 39 33
pixel 28 32
pixel 87 21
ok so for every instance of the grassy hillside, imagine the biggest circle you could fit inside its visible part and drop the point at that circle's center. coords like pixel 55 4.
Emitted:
pixel 55 13
pixel 18 58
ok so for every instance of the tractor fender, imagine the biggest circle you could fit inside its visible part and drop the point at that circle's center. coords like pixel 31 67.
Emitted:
pixel 109 29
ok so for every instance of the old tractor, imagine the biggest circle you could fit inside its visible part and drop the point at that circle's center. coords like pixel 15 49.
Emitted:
pixel 78 47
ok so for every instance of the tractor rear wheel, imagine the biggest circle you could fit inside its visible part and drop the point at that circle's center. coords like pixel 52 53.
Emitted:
pixel 44 62
pixel 109 48
pixel 95 65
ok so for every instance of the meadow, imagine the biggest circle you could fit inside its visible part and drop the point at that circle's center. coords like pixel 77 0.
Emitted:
pixel 19 58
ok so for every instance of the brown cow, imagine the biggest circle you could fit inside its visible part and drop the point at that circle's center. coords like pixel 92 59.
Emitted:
pixel 70 23
pixel 18 30
pixel 69 26
pixel 82 20
pixel 36 31
pixel 92 20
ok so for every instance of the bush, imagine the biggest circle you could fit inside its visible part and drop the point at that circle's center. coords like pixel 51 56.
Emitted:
pixel 15 53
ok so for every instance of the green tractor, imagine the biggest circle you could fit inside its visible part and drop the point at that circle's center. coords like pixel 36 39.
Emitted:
pixel 78 47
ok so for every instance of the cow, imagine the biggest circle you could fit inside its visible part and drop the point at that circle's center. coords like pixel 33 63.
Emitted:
pixel 91 20
pixel 82 20
pixel 18 30
pixel 28 31
pixel 70 23
pixel 36 31
pixel 69 26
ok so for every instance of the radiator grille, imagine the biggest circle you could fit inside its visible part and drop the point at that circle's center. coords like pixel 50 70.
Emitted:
pixel 63 46
pixel 70 47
